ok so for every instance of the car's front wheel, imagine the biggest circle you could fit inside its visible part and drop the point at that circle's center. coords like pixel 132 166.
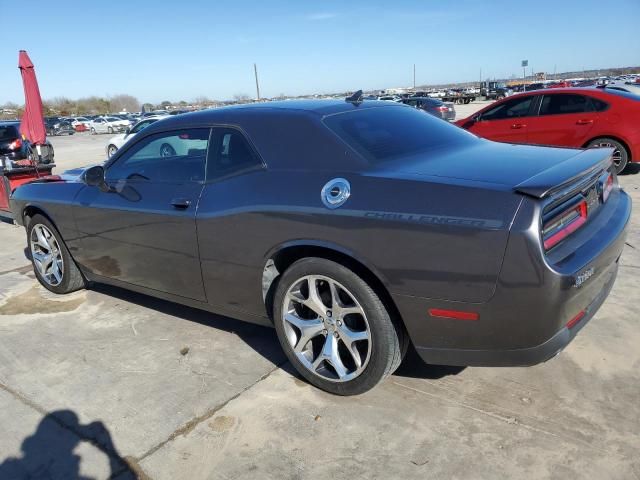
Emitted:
pixel 620 154
pixel 334 328
pixel 110 129
pixel 93 131
pixel 52 263
pixel 111 151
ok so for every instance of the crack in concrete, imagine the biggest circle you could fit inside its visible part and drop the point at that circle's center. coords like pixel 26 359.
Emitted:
pixel 23 270
pixel 512 420
pixel 42 411
pixel 185 429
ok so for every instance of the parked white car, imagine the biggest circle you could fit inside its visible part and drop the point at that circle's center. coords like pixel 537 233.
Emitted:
pixel 108 125
pixel 116 142
pixel 78 120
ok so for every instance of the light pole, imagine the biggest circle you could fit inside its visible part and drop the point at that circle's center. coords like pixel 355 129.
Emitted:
pixel 255 71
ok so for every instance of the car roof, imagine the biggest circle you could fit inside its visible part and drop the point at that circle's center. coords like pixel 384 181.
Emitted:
pixel 236 113
pixel 6 123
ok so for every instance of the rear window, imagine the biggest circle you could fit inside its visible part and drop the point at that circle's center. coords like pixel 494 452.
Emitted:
pixel 625 94
pixel 386 133
pixel 8 132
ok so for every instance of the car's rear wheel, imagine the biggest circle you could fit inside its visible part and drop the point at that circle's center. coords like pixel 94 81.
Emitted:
pixel 93 131
pixel 620 153
pixel 111 151
pixel 334 328
pixel 52 263
pixel 110 129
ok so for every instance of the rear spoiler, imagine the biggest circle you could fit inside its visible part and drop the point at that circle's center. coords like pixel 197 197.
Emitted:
pixel 558 177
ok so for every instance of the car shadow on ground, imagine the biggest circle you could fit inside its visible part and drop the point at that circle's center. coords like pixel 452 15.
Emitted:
pixel 49 451
pixel 261 339
pixel 414 367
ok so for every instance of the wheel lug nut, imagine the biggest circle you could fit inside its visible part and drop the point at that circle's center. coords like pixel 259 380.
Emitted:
pixel 339 323
pixel 324 332
pixel 335 334
pixel 329 313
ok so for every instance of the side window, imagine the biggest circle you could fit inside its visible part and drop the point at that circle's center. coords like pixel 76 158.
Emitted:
pixel 178 156
pixel 517 107
pixel 599 105
pixel 231 154
pixel 559 104
pixel 141 126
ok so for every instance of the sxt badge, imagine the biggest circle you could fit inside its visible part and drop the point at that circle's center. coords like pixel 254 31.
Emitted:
pixel 583 277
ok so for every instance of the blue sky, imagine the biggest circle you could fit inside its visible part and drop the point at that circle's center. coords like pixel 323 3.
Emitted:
pixel 178 50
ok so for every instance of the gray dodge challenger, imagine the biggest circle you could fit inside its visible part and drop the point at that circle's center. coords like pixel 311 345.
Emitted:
pixel 352 227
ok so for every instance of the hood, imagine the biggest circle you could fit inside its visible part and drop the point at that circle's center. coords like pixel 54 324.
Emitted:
pixel 73 175
pixel 532 170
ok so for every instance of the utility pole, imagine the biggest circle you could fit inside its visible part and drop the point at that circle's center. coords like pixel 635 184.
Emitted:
pixel 481 77
pixel 255 71
pixel 554 71
pixel 414 76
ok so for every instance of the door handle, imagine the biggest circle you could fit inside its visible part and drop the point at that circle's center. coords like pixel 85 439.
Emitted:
pixel 181 203
pixel 517 126
pixel 584 121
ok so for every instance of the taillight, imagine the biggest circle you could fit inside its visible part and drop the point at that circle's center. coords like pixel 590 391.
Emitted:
pixel 442 108
pixel 608 186
pixel 16 144
pixel 561 226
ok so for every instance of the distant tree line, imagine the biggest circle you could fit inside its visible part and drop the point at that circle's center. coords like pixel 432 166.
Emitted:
pixel 62 106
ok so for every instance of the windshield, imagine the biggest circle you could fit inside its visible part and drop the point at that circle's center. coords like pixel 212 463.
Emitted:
pixel 387 133
pixel 8 132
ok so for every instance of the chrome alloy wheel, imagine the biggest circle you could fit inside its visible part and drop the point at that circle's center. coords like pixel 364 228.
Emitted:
pixel 46 255
pixel 616 155
pixel 326 328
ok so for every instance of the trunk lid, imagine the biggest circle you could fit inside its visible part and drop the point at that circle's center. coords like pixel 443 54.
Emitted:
pixel 530 170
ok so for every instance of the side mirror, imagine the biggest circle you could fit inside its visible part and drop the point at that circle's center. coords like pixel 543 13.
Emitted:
pixel 94 177
pixel 127 130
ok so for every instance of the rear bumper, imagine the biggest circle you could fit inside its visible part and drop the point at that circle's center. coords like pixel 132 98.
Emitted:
pixel 519 357
pixel 525 322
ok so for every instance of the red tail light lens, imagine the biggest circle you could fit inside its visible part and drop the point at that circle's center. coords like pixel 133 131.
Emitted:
pixel 442 108
pixel 16 144
pixel 563 225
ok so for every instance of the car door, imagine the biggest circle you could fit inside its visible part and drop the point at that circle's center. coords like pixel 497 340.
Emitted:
pixel 235 175
pixel 564 119
pixel 98 125
pixel 506 121
pixel 141 229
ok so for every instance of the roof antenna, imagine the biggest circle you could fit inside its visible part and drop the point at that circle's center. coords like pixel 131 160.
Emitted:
pixel 356 98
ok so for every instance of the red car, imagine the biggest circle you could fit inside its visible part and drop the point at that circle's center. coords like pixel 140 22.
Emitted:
pixel 565 117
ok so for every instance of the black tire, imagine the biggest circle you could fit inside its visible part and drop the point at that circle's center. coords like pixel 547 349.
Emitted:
pixel 389 340
pixel 110 130
pixel 72 278
pixel 92 131
pixel 621 154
